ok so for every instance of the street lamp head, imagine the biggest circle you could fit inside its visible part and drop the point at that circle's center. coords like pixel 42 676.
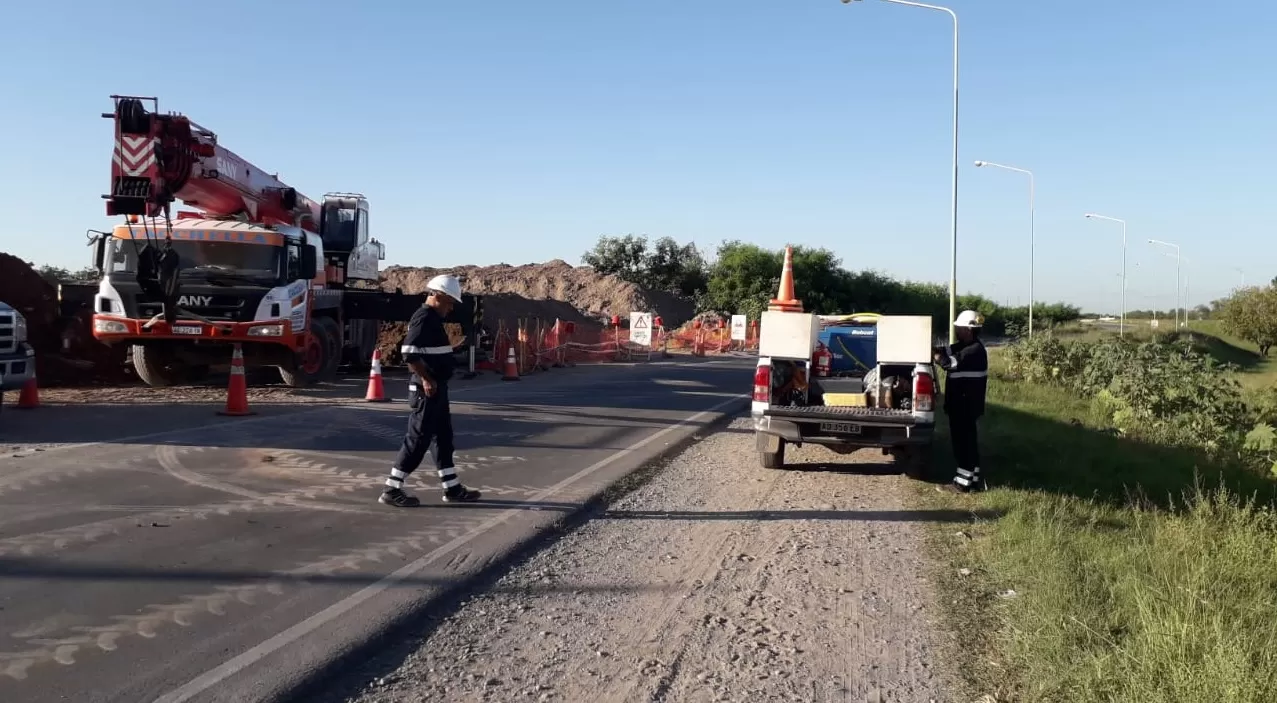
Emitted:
pixel 1089 215
pixel 980 163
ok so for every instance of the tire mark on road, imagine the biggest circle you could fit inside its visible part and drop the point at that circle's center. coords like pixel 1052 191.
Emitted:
pixel 708 562
pixel 186 611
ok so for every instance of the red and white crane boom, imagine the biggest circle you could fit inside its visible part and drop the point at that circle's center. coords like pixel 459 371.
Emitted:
pixel 160 158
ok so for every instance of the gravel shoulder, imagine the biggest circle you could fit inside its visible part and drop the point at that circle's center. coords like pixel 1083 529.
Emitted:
pixel 716 581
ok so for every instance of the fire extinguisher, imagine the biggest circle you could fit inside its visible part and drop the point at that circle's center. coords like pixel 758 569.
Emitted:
pixel 822 359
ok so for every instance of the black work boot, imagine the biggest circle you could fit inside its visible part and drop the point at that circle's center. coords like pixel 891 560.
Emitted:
pixel 395 497
pixel 460 494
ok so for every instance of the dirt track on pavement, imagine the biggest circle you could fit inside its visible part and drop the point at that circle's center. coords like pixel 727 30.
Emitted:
pixel 716 581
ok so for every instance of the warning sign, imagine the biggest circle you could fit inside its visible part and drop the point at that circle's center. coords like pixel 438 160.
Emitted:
pixel 739 323
pixel 641 328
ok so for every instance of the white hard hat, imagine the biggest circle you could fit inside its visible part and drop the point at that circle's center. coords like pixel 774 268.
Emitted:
pixel 446 284
pixel 969 318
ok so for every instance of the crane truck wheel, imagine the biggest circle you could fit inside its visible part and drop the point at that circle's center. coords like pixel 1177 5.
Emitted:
pixel 332 358
pixel 153 368
pixel 307 367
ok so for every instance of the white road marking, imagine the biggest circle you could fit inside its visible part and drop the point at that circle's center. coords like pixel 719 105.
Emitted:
pixel 233 666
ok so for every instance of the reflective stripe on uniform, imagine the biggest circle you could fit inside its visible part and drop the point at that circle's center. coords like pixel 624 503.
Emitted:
pixel 968 374
pixel 425 351
pixel 449 477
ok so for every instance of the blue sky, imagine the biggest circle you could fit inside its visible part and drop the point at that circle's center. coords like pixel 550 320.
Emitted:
pixel 520 131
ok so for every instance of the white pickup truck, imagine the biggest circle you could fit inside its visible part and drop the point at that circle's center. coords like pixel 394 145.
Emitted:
pixel 17 359
pixel 887 403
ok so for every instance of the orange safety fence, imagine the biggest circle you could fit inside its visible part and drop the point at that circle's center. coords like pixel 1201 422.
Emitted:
pixel 702 340
pixel 540 344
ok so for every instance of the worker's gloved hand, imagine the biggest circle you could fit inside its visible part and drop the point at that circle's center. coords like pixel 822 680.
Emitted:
pixel 428 387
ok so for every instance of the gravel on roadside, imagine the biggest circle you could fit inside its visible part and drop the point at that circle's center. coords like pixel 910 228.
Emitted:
pixel 716 581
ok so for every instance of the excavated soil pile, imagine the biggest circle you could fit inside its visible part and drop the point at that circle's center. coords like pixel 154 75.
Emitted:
pixel 84 360
pixel 555 289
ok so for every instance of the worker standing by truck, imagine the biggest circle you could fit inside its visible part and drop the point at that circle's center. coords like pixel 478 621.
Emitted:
pixel 428 352
pixel 967 365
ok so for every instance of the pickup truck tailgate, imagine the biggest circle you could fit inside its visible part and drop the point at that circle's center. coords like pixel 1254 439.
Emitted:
pixel 886 416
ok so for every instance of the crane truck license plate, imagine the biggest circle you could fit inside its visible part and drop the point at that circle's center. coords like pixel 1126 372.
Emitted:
pixel 187 329
pixel 840 427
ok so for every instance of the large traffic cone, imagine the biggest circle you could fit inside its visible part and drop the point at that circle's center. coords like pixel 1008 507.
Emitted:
pixel 376 388
pixel 237 390
pixel 29 398
pixel 784 300
pixel 511 367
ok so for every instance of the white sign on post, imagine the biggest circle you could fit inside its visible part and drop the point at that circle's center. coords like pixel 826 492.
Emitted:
pixel 739 323
pixel 641 328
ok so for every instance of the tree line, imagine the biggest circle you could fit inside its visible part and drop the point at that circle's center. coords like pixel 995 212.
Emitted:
pixel 742 277
pixel 56 274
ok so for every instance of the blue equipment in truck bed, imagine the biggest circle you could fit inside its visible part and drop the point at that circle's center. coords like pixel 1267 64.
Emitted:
pixel 854 347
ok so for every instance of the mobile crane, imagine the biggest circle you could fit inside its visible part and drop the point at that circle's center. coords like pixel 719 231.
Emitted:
pixel 294 282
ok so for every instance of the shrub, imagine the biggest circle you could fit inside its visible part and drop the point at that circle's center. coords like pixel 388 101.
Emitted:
pixel 1164 390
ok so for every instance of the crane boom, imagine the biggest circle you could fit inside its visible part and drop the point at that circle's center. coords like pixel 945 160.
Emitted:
pixel 162 158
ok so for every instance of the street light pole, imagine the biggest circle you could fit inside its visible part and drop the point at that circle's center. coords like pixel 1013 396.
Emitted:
pixel 1243 273
pixel 953 207
pixel 1158 242
pixel 1188 279
pixel 1032 209
pixel 1121 328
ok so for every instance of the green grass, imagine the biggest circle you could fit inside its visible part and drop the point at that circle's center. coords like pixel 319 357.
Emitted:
pixel 1139 573
pixel 1260 372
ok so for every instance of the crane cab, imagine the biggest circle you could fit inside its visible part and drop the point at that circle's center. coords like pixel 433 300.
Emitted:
pixel 349 252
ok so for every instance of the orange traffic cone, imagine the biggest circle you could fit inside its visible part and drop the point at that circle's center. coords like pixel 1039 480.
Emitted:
pixel 376 389
pixel 511 367
pixel 784 300
pixel 29 398
pixel 237 390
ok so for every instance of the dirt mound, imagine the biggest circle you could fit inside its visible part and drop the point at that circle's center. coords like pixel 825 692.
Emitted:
pixel 555 289
pixel 66 352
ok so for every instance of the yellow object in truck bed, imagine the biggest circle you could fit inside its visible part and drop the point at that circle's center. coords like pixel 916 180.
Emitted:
pixel 846 400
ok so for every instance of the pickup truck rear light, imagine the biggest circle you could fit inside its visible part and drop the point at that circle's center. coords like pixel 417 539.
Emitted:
pixel 763 384
pixel 924 393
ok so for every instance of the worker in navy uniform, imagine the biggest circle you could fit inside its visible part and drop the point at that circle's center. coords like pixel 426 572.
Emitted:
pixel 429 353
pixel 967 365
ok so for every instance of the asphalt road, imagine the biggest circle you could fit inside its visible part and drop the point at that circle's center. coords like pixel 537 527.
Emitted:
pixel 230 559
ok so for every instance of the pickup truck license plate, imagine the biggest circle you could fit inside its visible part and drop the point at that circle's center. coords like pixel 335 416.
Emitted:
pixel 840 427
pixel 187 329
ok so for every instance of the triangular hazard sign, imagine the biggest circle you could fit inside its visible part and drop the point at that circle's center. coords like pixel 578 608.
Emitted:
pixel 640 323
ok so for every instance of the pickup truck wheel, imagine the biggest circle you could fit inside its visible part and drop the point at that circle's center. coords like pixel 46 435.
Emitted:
pixel 915 460
pixel 775 459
